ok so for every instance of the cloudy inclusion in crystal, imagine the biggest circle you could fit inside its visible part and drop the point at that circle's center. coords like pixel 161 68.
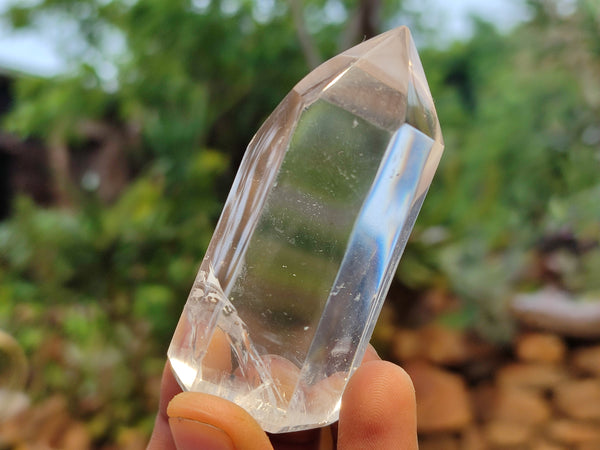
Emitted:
pixel 294 278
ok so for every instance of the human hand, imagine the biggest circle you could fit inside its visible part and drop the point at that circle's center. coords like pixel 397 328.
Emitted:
pixel 378 412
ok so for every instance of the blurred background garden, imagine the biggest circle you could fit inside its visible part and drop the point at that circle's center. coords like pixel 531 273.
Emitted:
pixel 114 169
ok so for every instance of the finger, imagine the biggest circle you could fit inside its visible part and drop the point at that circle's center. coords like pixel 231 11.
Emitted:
pixel 378 409
pixel 161 436
pixel 199 420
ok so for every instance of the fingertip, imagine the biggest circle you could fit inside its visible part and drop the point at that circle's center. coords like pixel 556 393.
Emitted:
pixel 370 354
pixel 378 409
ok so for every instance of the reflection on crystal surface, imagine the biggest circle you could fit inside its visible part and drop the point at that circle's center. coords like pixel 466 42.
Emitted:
pixel 294 278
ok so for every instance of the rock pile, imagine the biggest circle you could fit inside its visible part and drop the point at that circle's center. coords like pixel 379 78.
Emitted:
pixel 541 393
pixel 47 425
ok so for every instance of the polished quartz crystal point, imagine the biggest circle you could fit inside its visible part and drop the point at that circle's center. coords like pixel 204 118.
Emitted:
pixel 291 285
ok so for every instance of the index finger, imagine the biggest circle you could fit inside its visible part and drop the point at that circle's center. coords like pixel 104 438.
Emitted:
pixel 161 436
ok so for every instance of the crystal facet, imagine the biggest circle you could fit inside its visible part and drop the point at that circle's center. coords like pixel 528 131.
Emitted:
pixel 290 288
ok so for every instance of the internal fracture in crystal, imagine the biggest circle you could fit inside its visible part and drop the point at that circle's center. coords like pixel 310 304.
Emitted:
pixel 290 288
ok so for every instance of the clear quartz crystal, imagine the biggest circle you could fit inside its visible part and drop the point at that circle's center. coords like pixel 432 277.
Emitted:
pixel 290 288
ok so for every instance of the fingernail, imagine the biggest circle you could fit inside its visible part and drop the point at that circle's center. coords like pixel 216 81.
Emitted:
pixel 192 435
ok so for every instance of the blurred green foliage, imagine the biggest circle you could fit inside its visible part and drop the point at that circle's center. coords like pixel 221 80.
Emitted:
pixel 519 114
pixel 93 293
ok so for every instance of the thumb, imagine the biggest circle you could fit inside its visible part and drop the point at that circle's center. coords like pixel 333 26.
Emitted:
pixel 203 421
